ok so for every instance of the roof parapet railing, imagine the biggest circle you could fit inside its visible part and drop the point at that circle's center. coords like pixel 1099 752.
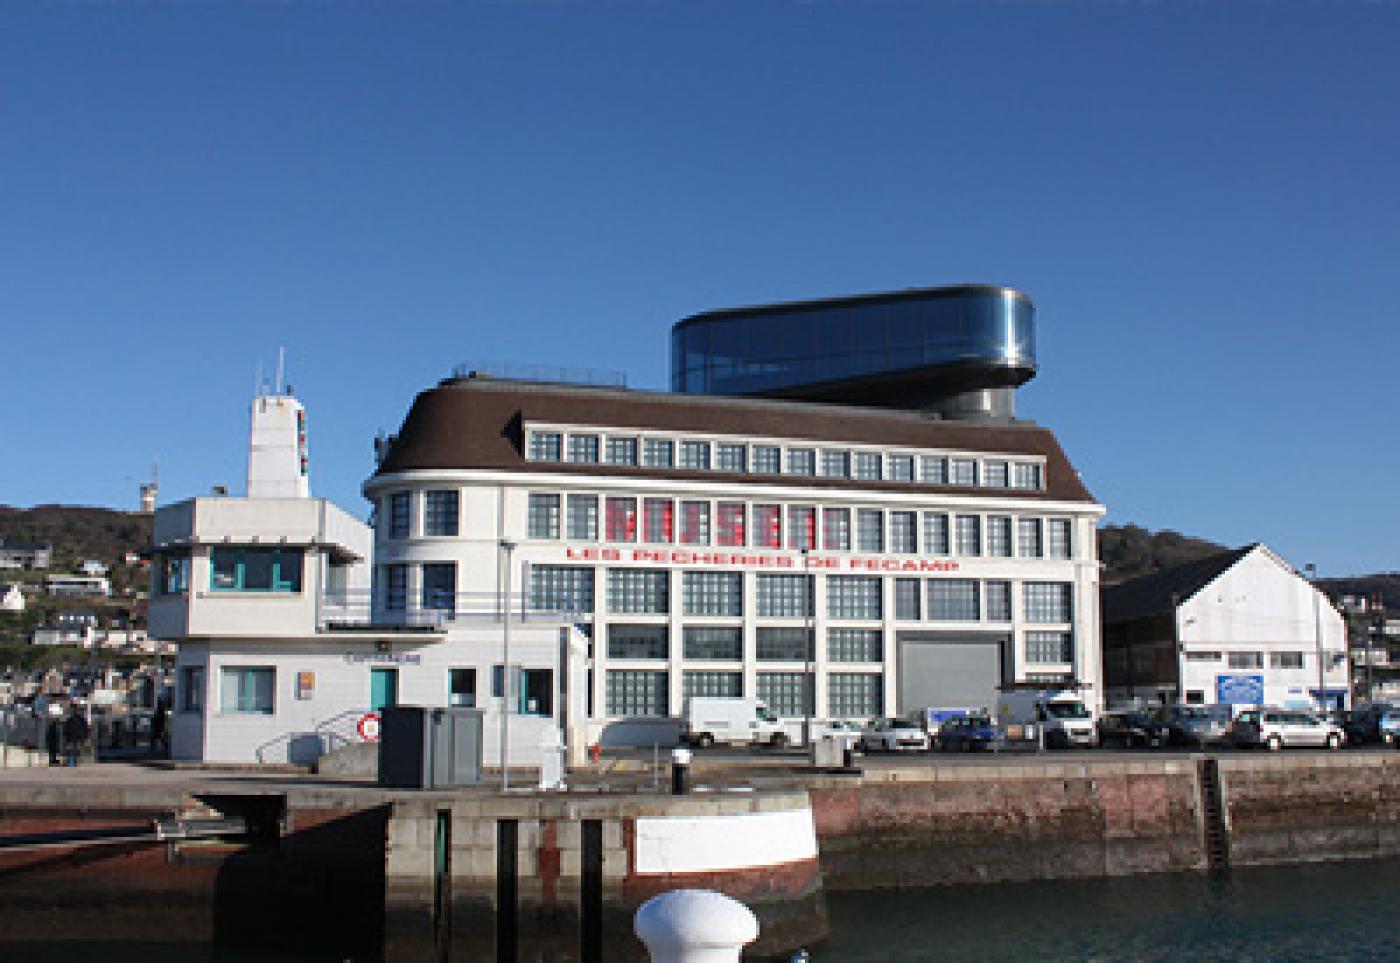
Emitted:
pixel 514 371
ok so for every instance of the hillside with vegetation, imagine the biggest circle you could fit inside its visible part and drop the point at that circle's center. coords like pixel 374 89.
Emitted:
pixel 1129 551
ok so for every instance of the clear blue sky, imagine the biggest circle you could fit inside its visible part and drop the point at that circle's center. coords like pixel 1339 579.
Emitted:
pixel 1201 199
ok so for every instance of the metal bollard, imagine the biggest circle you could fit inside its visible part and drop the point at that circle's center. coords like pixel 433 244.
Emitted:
pixel 694 926
pixel 680 772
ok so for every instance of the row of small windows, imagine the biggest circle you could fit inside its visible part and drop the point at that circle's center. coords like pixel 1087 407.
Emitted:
pixel 645 692
pixel 632 451
pixel 725 643
pixel 666 521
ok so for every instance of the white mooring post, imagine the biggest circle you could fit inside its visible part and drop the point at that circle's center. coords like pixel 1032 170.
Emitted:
pixel 695 926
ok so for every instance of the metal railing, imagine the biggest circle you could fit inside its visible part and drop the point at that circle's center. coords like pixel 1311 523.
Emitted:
pixel 433 611
pixel 513 371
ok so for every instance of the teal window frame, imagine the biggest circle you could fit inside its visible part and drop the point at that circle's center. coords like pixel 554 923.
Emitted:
pixel 246 692
pixel 285 576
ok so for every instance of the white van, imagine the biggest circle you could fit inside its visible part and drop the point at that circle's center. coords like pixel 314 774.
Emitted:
pixel 1060 713
pixel 710 719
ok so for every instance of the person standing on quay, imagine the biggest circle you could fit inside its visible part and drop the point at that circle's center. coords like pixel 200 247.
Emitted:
pixel 75 732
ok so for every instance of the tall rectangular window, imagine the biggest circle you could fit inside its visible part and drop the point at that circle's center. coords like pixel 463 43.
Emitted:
pixel 1059 538
pixel 899 468
pixel 583 449
pixel 561 588
pixel 767 526
pixel 870 530
pixel 936 533
pixel 904 532
pixel 1049 647
pixel 953 600
pixel 713 593
pixel 658 453
pixel 400 505
pixel 836 529
pixel 933 470
pixel 636 692
pixel 998 601
pixel 248 689
pixel 802 461
pixel 543 520
pixel 996 474
pixel 1047 602
pixel 583 517
pixel 695 454
pixel 907 604
pixel 1027 476
pixel 622 450
pixel 999 536
pixel 787 694
pixel 783 596
pixel 782 644
pixel 639 591
pixel 638 641
pixel 695 523
pixel 724 685
pixel 802 526
pixel 440 586
pixel 719 643
pixel 969 532
pixel 173 569
pixel 836 463
pixel 192 688
pixel 620 519
pixel 440 513
pixel 962 471
pixel 854 695
pixel 395 587
pixel 854 645
pixel 546 446
pixel 729 524
pixel 866 466
pixel 1028 538
pixel 854 597
pixel 658 522
pixel 731 457
pixel 767 459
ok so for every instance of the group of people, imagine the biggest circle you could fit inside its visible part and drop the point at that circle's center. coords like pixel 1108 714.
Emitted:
pixel 68 735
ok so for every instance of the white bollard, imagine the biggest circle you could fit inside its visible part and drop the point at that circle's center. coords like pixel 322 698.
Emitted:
pixel 694 926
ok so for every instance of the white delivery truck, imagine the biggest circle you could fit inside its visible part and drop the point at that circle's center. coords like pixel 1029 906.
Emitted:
pixel 1061 715
pixel 709 720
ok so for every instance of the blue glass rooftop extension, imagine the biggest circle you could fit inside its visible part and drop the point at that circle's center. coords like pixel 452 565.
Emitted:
pixel 957 351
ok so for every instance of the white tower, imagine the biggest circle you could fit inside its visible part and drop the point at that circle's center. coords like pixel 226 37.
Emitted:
pixel 149 492
pixel 277 464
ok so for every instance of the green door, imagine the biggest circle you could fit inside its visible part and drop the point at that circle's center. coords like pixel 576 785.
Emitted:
pixel 383 688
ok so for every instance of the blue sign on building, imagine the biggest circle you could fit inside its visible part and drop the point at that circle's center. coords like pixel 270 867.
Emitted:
pixel 1239 690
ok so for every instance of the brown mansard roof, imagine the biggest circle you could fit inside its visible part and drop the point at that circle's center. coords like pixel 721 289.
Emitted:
pixel 480 423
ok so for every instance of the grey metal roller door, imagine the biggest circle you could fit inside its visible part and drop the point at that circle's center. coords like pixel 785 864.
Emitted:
pixel 949 673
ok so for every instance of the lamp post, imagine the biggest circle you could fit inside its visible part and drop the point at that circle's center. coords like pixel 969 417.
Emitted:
pixel 809 693
pixel 1311 569
pixel 508 547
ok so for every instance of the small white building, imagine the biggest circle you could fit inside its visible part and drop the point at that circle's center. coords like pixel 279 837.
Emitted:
pixel 12 600
pixel 1241 628
pixel 78 585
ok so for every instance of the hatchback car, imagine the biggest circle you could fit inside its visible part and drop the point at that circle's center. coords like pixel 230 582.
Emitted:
pixel 968 734
pixel 892 735
pixel 1276 728
pixel 1127 729
pixel 1194 725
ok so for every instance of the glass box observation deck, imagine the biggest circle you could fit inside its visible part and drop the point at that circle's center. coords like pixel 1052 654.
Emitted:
pixel 958 352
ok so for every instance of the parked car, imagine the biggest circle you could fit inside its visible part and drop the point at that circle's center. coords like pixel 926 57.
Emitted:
pixel 1129 728
pixel 968 734
pixel 1389 726
pixel 893 735
pixel 1363 725
pixel 1276 728
pixel 1192 725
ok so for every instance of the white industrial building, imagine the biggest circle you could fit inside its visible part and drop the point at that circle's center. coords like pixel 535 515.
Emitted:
pixel 1241 628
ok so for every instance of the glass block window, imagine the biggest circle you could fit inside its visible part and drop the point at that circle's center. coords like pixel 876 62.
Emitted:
pixel 546 446
pixel 904 528
pixel 999 536
pixel 854 597
pixel 836 529
pixel 996 474
pixel 962 471
pixel 953 600
pixel 658 521
pixel 784 644
pixel 998 601
pixel 636 692
pixel 731 458
pixel 561 588
pixel 638 641
pixel 802 526
pixel 718 684
pixel 1059 538
pixel 658 453
pixel 969 533
pixel 787 694
pixel 858 695
pixel 729 524
pixel 783 596
pixel 836 463
pixel 583 449
pixel 695 523
pixel 440 513
pixel 855 645
pixel 714 642
pixel 767 526
pixel 713 593
pixel 543 516
pixel 1049 647
pixel 870 530
pixel 1027 475
pixel 622 451
pixel 899 468
pixel 933 470
pixel 802 461
pixel 866 466
pixel 583 516
pixel 440 586
pixel 639 591
pixel 1047 602
pixel 767 459
pixel 1028 538
pixel 400 511
pixel 695 454
pixel 907 603
pixel 620 519
pixel 936 533
pixel 395 587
